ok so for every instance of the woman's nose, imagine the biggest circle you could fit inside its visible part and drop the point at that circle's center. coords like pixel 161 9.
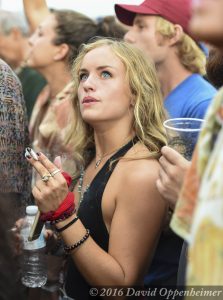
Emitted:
pixel 89 83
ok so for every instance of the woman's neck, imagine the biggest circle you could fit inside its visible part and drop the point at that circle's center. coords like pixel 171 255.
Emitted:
pixel 109 142
pixel 56 83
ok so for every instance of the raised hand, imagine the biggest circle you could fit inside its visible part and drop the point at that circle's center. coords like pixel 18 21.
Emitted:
pixel 173 167
pixel 50 191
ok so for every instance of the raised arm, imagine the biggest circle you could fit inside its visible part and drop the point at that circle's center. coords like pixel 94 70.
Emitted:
pixel 36 11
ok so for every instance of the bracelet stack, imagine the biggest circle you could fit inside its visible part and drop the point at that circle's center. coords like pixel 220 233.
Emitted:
pixel 67 225
pixel 69 249
pixel 65 210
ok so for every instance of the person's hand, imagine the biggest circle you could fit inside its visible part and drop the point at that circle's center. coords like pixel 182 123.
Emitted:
pixel 48 194
pixel 173 167
pixel 17 239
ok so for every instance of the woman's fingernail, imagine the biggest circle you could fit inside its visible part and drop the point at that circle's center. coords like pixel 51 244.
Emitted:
pixel 38 153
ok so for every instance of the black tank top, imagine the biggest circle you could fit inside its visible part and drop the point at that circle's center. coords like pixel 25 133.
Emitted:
pixel 164 265
pixel 90 214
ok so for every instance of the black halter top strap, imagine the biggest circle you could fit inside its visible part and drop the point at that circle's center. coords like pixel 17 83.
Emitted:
pixel 110 164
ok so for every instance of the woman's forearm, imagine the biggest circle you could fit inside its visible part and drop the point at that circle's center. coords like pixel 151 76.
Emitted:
pixel 90 257
pixel 35 11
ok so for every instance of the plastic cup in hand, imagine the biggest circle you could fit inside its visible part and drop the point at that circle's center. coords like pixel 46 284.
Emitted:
pixel 182 134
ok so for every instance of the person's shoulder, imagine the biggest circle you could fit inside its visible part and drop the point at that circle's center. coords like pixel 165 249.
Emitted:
pixel 202 85
pixel 7 74
pixel 139 165
pixel 10 86
pixel 4 66
pixel 199 93
pixel 137 179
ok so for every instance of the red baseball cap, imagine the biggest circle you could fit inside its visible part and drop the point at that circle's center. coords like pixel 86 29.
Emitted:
pixel 174 11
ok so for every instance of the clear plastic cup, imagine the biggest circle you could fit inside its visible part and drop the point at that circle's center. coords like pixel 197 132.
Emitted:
pixel 182 134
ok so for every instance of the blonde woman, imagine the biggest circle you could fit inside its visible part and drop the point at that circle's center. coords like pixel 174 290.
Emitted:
pixel 112 233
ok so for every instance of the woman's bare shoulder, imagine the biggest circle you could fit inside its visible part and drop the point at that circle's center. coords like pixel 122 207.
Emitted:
pixel 138 163
pixel 137 182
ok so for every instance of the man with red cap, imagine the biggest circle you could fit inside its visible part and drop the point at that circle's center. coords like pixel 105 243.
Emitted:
pixel 160 29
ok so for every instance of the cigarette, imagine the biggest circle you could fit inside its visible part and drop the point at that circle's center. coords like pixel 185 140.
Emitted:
pixel 29 152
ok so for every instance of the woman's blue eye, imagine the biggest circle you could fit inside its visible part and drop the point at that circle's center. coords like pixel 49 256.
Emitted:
pixel 106 74
pixel 83 77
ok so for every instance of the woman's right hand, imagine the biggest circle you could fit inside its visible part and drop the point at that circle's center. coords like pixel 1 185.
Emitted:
pixel 49 193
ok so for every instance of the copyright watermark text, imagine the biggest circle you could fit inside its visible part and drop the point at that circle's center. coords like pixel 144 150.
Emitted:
pixel 164 293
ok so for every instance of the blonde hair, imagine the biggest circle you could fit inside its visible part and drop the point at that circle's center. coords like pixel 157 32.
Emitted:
pixel 149 113
pixel 189 53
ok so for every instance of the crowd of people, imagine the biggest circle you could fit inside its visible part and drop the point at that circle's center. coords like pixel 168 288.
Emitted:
pixel 127 209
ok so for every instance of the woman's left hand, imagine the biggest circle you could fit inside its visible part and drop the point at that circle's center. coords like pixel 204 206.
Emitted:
pixel 50 191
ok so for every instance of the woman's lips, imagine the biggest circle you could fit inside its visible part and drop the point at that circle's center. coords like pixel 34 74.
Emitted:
pixel 89 100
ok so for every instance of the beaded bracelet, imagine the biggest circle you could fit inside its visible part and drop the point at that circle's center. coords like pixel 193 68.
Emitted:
pixel 67 225
pixel 68 249
pixel 63 217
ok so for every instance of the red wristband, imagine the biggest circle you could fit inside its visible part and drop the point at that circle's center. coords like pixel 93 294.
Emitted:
pixel 66 206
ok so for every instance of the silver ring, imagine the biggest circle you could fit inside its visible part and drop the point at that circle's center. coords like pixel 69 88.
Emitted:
pixel 46 177
pixel 55 172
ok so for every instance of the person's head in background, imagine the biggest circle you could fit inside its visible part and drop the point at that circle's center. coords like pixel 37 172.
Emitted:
pixel 207 21
pixel 214 67
pixel 56 40
pixel 160 29
pixel 121 93
pixel 14 33
pixel 207 25
pixel 109 26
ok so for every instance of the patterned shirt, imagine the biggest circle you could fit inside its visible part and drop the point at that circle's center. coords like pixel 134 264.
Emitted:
pixel 15 172
pixel 198 214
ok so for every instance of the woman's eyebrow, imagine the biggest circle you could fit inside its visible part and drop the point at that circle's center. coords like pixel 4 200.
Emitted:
pixel 98 68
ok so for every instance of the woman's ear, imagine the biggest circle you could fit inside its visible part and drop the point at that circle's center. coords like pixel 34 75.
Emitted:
pixel 62 51
pixel 132 102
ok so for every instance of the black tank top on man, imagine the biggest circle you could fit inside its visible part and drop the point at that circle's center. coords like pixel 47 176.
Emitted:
pixel 90 214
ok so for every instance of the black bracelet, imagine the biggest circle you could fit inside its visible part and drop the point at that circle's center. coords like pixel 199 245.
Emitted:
pixel 68 249
pixel 67 225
